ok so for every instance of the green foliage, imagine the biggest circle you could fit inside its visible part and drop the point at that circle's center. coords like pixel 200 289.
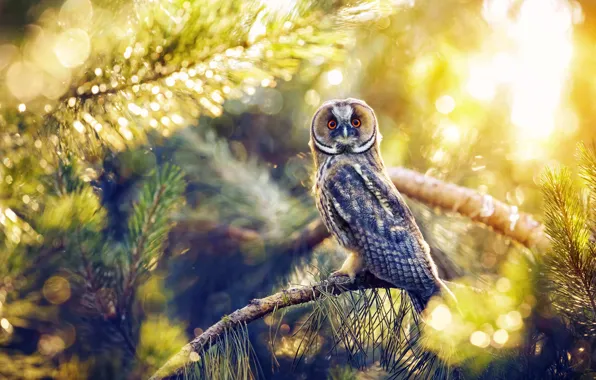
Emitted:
pixel 342 373
pixel 159 339
pixel 71 211
pixel 571 263
pixel 151 219
pixel 238 191
pixel 230 356
pixel 588 173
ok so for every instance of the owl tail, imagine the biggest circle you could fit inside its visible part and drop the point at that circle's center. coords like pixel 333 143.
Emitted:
pixel 419 302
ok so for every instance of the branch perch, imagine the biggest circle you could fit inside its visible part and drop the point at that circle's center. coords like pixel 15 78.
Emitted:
pixel 481 208
pixel 499 216
pixel 258 308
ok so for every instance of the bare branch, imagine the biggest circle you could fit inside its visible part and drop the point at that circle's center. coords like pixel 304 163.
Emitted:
pixel 501 217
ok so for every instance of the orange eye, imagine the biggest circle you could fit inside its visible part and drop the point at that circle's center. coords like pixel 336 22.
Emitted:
pixel 332 124
pixel 356 123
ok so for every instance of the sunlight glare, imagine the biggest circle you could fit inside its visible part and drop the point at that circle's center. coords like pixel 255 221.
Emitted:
pixel 335 77
pixel 543 37
pixel 482 81
pixel 440 317
pixel 534 68
pixel 445 104
pixel 480 339
pixel 501 336
pixel 450 132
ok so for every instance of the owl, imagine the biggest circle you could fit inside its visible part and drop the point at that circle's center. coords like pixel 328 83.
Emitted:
pixel 360 205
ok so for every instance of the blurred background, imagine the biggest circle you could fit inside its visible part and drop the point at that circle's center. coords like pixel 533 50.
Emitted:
pixel 107 268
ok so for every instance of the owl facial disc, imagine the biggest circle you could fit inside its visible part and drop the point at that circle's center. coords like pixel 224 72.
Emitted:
pixel 367 145
pixel 344 126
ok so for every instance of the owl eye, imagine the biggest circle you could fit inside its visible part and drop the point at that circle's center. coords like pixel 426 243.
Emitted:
pixel 356 123
pixel 332 124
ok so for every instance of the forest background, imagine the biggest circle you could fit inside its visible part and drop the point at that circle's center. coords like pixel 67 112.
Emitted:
pixel 155 176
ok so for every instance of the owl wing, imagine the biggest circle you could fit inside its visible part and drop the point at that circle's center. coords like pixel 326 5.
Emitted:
pixel 381 227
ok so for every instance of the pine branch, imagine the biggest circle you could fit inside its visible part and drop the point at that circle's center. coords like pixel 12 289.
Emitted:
pixel 588 173
pixel 239 193
pixel 258 308
pixel 156 66
pixel 149 224
pixel 588 166
pixel 571 263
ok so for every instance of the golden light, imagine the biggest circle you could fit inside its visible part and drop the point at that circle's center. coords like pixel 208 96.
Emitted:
pixel 440 318
pixel 511 321
pixel 78 126
pixel 73 47
pixel 480 339
pixel 312 98
pixel 438 156
pixel 76 13
pixel 5 324
pixel 257 29
pixel 24 80
pixel 501 336
pixel 543 36
pixel 57 290
pixel 533 67
pixel 450 132
pixel 335 77
pixel 194 357
pixel 445 104
pixel 126 133
pixel 123 122
pixel 7 53
pixel 177 119
pixel 482 82
pixel 8 212
pixel 503 284
pixel 50 345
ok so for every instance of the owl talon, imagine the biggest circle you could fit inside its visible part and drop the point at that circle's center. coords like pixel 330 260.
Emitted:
pixel 351 267
pixel 338 273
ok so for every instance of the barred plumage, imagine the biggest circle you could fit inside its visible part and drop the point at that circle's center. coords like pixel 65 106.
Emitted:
pixel 361 207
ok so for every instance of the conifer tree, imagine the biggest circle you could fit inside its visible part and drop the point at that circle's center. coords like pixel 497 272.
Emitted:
pixel 146 143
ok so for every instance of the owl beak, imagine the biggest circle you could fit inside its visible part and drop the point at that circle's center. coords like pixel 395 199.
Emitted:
pixel 345 135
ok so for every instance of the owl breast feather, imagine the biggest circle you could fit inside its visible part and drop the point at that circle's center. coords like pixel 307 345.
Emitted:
pixel 365 212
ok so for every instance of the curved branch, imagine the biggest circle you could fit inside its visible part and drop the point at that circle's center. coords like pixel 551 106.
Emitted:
pixel 258 308
pixel 500 216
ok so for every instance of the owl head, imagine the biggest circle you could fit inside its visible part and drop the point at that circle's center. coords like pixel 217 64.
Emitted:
pixel 343 126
